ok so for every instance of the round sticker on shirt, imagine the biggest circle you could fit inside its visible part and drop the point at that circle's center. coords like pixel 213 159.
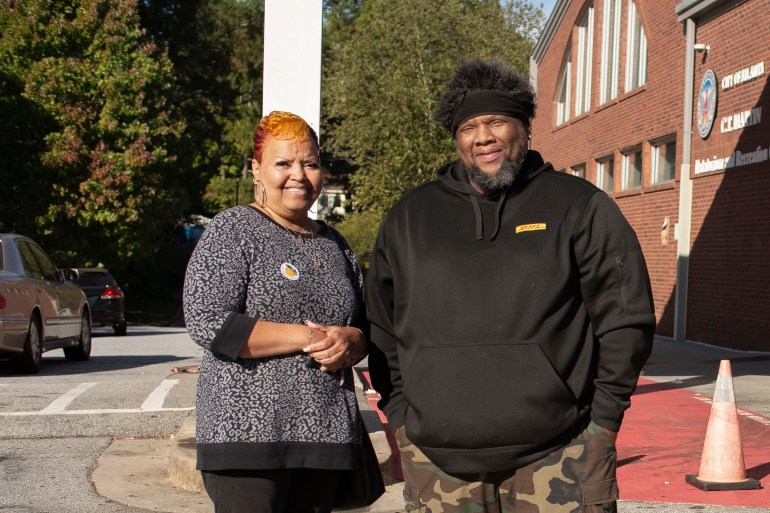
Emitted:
pixel 289 271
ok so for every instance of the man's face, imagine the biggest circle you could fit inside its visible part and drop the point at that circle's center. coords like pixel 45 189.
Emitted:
pixel 486 142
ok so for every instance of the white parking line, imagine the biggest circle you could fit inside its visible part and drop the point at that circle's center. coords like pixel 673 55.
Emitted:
pixel 154 401
pixel 86 412
pixel 60 404
pixel 754 417
pixel 744 413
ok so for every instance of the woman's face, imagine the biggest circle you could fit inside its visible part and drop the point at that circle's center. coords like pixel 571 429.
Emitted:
pixel 291 173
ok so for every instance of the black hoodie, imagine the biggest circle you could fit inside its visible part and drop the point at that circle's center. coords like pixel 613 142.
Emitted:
pixel 500 324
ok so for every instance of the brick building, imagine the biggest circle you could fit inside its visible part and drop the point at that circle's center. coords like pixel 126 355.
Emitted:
pixel 660 104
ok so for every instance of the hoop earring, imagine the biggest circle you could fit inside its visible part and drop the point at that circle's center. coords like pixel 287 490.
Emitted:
pixel 263 193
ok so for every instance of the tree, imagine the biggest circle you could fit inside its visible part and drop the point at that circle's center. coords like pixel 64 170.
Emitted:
pixel 525 19
pixel 216 48
pixel 384 76
pixel 88 71
pixel 245 77
pixel 23 127
pixel 223 193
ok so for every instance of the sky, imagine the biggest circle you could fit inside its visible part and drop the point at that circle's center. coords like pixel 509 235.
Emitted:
pixel 547 6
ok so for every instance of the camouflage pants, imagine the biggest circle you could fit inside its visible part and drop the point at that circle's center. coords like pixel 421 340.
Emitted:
pixel 578 478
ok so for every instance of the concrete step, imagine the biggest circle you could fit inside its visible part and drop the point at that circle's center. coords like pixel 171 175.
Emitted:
pixel 182 458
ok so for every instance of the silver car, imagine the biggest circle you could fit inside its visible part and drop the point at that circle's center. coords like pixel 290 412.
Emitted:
pixel 41 308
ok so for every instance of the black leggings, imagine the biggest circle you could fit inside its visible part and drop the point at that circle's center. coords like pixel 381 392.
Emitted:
pixel 300 490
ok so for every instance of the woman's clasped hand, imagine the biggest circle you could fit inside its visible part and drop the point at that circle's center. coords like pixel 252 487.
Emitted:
pixel 338 348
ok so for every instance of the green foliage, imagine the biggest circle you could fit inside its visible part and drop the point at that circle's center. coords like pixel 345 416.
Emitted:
pixel 222 193
pixel 23 127
pixel 384 77
pixel 338 23
pixel 86 69
pixel 360 230
pixel 526 19
pixel 216 49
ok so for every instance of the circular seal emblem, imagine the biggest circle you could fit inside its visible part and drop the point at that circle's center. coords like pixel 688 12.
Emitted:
pixel 707 103
pixel 289 271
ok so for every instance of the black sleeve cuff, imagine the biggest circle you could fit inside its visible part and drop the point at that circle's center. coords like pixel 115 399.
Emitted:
pixel 233 335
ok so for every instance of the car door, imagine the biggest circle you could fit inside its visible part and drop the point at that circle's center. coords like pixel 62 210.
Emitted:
pixel 68 295
pixel 46 294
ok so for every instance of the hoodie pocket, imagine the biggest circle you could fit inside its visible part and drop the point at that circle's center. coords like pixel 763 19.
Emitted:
pixel 478 396
pixel 632 281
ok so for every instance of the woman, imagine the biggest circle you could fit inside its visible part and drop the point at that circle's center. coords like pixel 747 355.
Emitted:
pixel 274 297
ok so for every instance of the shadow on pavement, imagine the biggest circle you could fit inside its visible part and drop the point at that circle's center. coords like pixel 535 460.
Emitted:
pixel 144 332
pixel 58 366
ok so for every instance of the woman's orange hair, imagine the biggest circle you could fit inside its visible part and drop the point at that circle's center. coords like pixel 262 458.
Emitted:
pixel 283 126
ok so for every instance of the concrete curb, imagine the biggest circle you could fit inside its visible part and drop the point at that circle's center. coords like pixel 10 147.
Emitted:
pixel 134 472
pixel 182 458
pixel 376 430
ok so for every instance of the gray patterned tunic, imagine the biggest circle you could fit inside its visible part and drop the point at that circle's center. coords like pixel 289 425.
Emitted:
pixel 272 412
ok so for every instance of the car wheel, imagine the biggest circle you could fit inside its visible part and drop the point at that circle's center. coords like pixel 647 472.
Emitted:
pixel 31 359
pixel 120 329
pixel 82 351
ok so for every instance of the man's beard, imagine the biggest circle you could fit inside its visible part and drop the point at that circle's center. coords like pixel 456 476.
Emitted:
pixel 503 179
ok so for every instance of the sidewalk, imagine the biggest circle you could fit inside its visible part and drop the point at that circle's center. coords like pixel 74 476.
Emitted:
pixel 660 442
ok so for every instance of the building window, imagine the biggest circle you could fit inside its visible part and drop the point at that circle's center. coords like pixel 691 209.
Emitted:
pixel 578 170
pixel 605 174
pixel 585 40
pixel 610 50
pixel 663 156
pixel 636 50
pixel 565 91
pixel 632 169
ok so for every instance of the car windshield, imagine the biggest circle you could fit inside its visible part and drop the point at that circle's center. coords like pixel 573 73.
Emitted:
pixel 94 280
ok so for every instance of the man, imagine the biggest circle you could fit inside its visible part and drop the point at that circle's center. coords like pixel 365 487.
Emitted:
pixel 511 314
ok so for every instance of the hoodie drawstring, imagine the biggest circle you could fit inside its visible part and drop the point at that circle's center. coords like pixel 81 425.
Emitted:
pixel 498 213
pixel 480 218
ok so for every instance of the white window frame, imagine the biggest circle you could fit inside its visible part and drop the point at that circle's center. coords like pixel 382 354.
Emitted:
pixel 585 43
pixel 578 170
pixel 600 168
pixel 657 161
pixel 610 50
pixel 636 50
pixel 563 104
pixel 627 170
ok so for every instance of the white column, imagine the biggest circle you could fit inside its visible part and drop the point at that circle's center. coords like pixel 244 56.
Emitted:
pixel 292 61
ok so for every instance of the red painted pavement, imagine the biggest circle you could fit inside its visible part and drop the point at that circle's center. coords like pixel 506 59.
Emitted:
pixel 660 442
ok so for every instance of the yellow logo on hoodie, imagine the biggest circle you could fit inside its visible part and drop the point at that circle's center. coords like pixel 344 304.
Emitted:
pixel 530 227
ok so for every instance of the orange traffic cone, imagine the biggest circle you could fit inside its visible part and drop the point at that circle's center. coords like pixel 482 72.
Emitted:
pixel 721 466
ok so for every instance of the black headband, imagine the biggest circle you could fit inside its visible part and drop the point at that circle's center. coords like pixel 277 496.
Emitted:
pixel 488 101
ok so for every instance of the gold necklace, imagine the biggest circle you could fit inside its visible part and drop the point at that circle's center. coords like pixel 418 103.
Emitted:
pixel 297 236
